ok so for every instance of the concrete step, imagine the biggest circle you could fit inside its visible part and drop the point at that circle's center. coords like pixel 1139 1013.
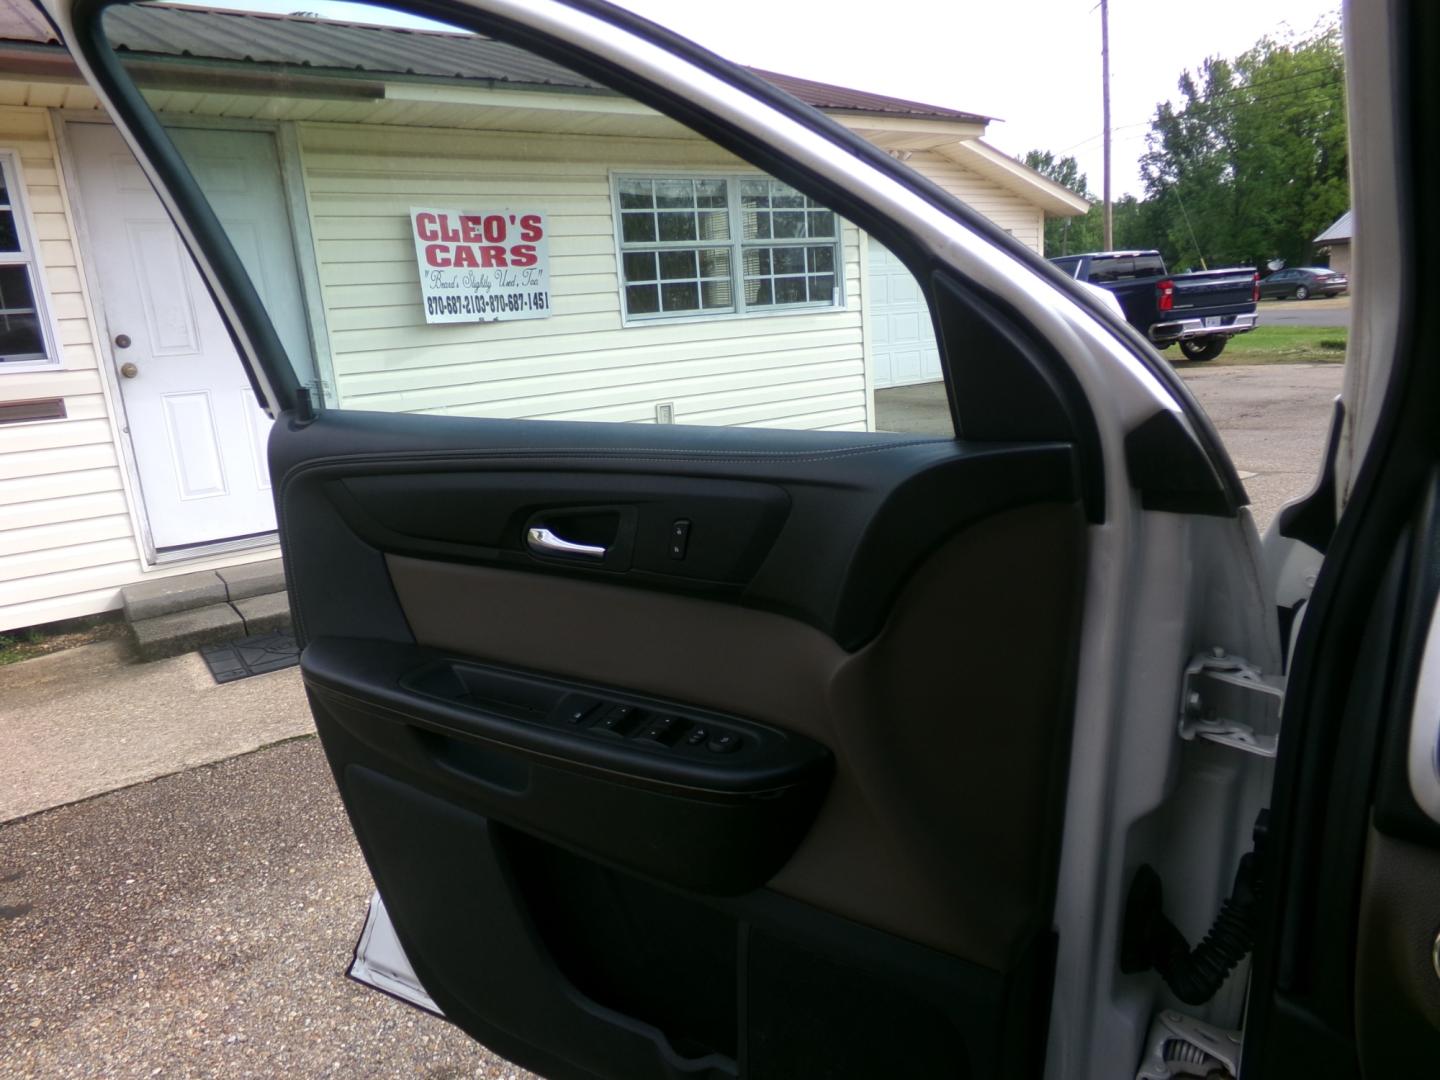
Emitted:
pixel 179 632
pixel 177 614
pixel 183 592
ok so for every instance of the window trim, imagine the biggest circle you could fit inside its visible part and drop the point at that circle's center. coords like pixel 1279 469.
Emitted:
pixel 29 257
pixel 736 244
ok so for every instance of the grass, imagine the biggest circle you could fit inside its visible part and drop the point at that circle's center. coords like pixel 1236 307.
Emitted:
pixel 33 641
pixel 1277 345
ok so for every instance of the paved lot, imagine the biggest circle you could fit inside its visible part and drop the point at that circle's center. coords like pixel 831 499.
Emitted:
pixel 199 926
pixel 1273 419
pixel 1332 311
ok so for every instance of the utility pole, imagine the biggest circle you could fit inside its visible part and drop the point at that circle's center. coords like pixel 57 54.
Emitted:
pixel 1108 218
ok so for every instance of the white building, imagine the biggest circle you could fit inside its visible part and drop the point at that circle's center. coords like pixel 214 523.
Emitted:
pixel 130 443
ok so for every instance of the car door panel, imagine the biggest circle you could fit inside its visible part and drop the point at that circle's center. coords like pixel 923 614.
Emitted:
pixel 889 636
pixel 888 627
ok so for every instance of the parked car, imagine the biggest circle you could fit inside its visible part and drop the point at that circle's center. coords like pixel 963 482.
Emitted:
pixel 736 752
pixel 1199 311
pixel 1303 282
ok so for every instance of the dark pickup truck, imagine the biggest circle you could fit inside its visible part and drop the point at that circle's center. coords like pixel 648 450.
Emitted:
pixel 1201 311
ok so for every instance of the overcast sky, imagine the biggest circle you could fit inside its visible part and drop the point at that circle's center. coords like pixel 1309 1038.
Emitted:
pixel 1034 65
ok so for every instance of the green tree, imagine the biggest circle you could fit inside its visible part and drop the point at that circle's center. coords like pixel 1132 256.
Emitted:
pixel 1251 163
pixel 1066 236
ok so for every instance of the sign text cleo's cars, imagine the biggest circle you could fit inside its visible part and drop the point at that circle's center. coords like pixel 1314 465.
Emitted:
pixel 482 266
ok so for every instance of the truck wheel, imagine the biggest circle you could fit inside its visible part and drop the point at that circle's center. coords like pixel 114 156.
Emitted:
pixel 1302 293
pixel 1202 348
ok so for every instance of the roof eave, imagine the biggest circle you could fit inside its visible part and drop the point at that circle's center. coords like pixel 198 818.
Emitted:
pixel 1055 199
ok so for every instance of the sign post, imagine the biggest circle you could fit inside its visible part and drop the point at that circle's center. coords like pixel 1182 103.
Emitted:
pixel 481 267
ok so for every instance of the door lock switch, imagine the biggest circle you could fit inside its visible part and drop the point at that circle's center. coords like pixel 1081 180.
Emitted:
pixel 679 538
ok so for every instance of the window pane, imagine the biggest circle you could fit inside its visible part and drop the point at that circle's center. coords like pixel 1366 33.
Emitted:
pixel 755 193
pixel 757 225
pixel 822 223
pixel 757 262
pixel 715 226
pixel 789 260
pixel 638 228
pixel 642 299
pixel 678 297
pixel 677 226
pixel 677 264
pixel 783 195
pixel 717 294
pixel 710 193
pixel 759 293
pixel 9 235
pixel 822 288
pixel 790 290
pixel 637 194
pixel 20 336
pixel 674 193
pixel 714 262
pixel 789 226
pixel 640 266
pixel 821 258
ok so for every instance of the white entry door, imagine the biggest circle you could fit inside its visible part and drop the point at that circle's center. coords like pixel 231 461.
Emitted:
pixel 902 337
pixel 197 431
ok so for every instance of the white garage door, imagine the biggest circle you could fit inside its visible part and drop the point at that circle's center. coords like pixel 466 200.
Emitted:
pixel 902 338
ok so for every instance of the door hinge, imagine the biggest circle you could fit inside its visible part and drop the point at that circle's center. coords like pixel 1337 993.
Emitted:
pixel 1180 1045
pixel 1228 700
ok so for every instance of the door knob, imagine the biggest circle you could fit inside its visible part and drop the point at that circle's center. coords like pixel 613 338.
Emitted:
pixel 129 370
pixel 122 341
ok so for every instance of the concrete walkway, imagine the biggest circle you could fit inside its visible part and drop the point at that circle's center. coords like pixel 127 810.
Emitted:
pixel 85 721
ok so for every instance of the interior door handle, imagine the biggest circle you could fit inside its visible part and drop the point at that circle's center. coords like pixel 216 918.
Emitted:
pixel 544 542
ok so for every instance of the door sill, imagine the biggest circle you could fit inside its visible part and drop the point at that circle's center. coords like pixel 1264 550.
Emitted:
pixel 191 552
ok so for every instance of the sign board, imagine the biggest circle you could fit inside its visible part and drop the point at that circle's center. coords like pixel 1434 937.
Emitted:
pixel 479 267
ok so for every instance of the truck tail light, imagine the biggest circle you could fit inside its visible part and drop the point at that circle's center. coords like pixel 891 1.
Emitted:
pixel 1255 288
pixel 1166 290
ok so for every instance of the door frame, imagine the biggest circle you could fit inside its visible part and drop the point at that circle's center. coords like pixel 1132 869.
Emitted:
pixel 292 177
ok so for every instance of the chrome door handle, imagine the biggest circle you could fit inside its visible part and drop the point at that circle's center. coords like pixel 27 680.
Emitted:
pixel 544 542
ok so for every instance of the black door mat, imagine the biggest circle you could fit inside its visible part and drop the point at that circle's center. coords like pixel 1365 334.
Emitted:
pixel 243 657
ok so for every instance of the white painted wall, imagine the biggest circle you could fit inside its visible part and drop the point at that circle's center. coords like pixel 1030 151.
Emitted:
pixel 1005 208
pixel 798 369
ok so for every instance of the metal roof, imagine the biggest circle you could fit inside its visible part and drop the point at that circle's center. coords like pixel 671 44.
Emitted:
pixel 1336 232
pixel 843 99
pixel 171 30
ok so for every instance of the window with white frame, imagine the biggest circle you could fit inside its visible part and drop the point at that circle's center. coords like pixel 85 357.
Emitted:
pixel 718 245
pixel 23 340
